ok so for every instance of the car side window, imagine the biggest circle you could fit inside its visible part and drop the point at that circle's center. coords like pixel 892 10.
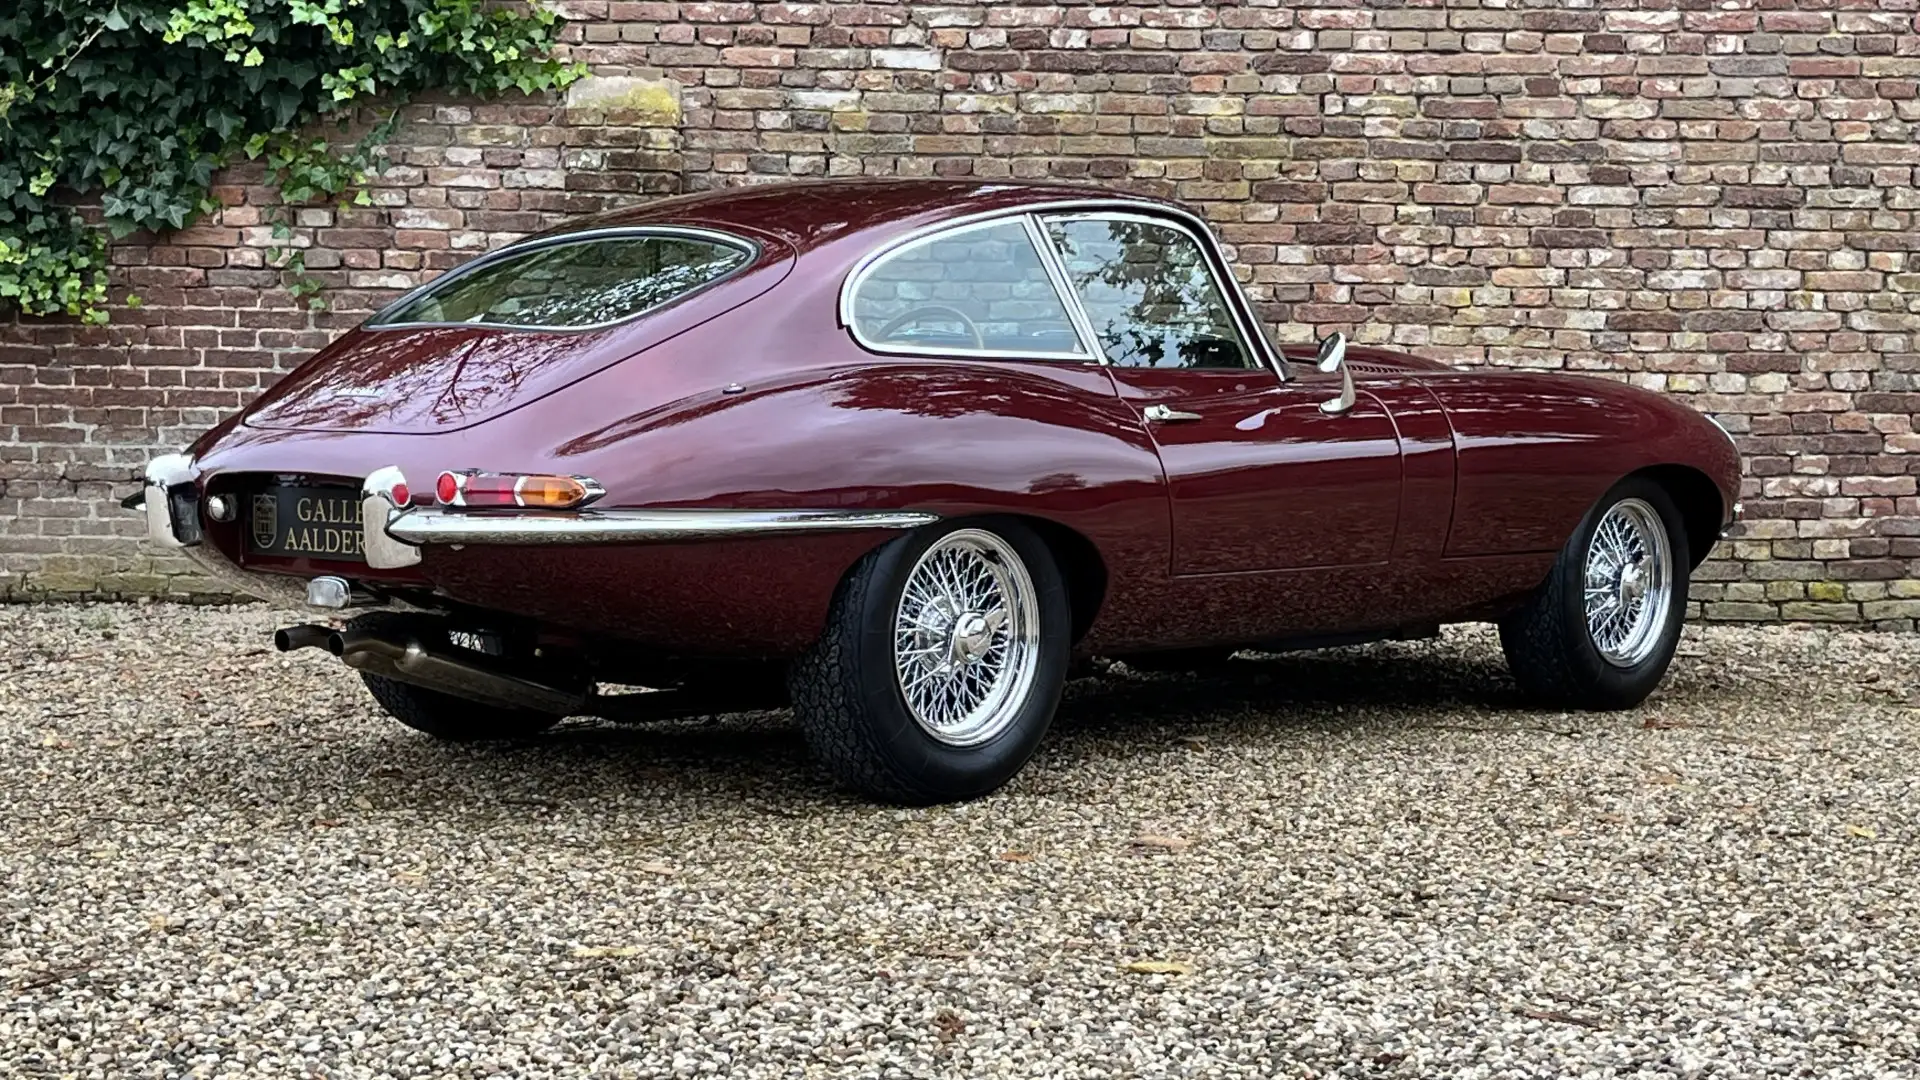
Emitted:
pixel 1149 293
pixel 978 288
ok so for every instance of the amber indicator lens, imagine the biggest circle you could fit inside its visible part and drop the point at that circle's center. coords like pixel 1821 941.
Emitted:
pixel 517 490
pixel 556 492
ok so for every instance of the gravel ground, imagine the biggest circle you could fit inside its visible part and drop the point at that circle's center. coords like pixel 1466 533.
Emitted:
pixel 220 861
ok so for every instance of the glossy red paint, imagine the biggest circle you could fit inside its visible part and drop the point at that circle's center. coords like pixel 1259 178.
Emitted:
pixel 1442 495
pixel 1262 479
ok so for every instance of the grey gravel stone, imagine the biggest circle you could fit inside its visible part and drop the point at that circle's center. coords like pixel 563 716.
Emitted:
pixel 220 861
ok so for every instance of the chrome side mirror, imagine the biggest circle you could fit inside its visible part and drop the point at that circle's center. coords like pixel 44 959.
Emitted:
pixel 1332 358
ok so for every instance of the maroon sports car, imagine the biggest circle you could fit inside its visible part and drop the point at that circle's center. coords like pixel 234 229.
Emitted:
pixel 919 446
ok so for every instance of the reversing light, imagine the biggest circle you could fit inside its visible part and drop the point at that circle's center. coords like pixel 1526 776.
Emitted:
pixel 486 490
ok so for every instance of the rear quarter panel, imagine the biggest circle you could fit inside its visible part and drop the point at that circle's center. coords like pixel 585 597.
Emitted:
pixel 829 426
pixel 1535 451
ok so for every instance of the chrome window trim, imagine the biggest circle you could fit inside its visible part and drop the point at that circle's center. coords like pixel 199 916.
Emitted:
pixel 1196 226
pixel 1253 342
pixel 433 526
pixel 857 277
pixel 1057 272
pixel 751 248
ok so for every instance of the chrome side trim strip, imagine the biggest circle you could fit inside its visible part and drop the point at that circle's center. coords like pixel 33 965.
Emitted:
pixel 1057 271
pixel 164 472
pixel 427 526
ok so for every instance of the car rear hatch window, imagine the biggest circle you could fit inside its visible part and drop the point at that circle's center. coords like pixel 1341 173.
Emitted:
pixel 573 282
pixel 403 373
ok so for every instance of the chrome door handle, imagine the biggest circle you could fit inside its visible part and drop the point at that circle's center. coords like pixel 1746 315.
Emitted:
pixel 1161 414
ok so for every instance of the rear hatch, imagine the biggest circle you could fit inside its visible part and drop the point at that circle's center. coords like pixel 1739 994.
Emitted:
pixel 454 354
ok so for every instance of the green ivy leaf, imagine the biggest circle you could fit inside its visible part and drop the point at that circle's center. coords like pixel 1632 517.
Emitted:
pixel 140 110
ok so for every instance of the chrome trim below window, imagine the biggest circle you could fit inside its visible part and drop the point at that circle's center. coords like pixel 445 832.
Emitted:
pixel 428 526
pixel 752 249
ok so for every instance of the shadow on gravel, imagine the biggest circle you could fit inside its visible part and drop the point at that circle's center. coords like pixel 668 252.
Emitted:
pixel 1308 682
pixel 762 754
pixel 760 757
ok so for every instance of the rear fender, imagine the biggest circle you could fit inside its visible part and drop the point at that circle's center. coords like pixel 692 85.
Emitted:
pixel 956 438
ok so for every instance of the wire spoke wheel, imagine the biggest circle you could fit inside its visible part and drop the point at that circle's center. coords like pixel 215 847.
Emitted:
pixel 966 637
pixel 1628 582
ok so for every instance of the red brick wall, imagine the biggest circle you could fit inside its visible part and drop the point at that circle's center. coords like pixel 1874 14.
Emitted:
pixel 1713 199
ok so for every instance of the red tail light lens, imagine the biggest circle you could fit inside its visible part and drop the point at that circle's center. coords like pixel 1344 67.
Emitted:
pixel 389 484
pixel 485 490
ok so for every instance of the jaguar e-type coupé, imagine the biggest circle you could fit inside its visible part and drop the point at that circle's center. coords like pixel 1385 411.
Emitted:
pixel 919 446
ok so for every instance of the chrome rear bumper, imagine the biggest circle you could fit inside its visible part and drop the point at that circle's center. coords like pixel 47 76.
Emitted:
pixel 423 525
pixel 393 535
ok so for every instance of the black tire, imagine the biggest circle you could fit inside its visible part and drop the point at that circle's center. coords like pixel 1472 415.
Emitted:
pixel 1549 647
pixel 848 699
pixel 444 716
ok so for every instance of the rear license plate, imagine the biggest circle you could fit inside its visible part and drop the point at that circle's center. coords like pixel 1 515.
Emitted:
pixel 306 522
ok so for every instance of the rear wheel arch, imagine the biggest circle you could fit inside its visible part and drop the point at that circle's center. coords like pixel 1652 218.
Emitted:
pixel 1080 565
pixel 1078 559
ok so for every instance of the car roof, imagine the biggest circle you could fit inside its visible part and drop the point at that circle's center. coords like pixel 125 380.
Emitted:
pixel 807 214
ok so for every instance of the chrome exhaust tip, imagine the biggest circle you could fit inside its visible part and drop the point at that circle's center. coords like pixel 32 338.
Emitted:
pixel 304 636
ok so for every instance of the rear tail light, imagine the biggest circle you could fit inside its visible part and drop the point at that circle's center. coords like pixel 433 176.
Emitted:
pixel 389 484
pixel 487 490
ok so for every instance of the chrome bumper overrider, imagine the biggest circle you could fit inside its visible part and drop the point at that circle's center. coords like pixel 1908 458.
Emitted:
pixel 392 536
pixel 169 471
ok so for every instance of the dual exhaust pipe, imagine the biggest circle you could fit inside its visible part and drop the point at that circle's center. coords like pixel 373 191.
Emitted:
pixel 405 658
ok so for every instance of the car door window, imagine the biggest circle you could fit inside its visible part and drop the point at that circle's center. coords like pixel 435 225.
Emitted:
pixel 977 288
pixel 1149 293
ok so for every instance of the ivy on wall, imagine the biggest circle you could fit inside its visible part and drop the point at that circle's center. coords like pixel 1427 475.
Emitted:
pixel 132 105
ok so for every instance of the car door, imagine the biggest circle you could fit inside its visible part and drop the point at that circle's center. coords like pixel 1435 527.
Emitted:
pixel 1259 476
